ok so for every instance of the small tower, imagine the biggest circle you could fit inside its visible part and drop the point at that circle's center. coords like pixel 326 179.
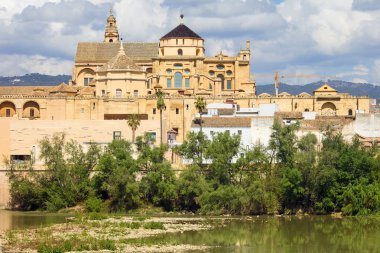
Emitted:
pixel 111 34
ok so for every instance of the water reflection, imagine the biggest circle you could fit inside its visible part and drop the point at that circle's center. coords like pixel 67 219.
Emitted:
pixel 312 234
pixel 15 220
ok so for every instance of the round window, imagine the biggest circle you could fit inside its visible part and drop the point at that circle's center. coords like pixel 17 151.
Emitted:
pixel 168 71
pixel 229 73
pixel 220 67
pixel 187 71
pixel 211 72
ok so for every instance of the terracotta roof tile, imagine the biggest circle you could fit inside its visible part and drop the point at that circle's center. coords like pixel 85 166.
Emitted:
pixel 103 52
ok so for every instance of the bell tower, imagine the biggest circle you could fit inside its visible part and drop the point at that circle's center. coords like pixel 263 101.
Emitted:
pixel 111 35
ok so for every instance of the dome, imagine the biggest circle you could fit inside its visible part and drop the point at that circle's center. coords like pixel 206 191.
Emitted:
pixel 181 31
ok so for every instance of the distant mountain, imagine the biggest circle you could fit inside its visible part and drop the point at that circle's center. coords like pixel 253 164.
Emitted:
pixel 34 80
pixel 355 89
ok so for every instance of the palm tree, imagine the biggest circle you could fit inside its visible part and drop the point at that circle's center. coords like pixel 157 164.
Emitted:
pixel 160 106
pixel 200 105
pixel 133 123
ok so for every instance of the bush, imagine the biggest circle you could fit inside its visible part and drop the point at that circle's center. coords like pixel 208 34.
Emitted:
pixel 94 204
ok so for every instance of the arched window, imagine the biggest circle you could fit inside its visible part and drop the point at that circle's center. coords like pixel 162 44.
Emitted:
pixel 111 40
pixel 306 110
pixel 111 24
pixel 349 112
pixel 118 93
pixel 221 77
pixel 178 80
pixel 180 52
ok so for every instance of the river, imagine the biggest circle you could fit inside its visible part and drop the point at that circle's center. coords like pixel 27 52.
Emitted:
pixel 264 234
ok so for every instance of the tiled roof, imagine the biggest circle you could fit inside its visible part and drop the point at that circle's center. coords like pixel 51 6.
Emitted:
pixel 103 52
pixel 63 88
pixel 223 122
pixel 226 111
pixel 25 90
pixel 120 62
pixel 86 91
pixel 181 31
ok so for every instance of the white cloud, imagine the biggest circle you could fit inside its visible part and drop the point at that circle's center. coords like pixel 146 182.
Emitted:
pixel 339 37
pixel 141 20
pixel 12 65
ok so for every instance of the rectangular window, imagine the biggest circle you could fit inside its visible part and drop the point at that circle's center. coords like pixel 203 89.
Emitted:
pixel 168 83
pixel 176 110
pixel 103 93
pixel 229 86
pixel 7 112
pixel 210 86
pixel 117 135
pixel 135 93
pixel 87 80
pixel 240 132
pixel 118 93
pixel 20 158
pixel 154 110
pixel 187 83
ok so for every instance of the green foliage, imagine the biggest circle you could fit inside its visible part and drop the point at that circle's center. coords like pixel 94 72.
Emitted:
pixel 190 186
pixel 221 151
pixel 94 204
pixel 116 179
pixel 287 176
pixel 66 181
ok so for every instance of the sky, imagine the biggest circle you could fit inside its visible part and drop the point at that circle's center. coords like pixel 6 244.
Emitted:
pixel 305 40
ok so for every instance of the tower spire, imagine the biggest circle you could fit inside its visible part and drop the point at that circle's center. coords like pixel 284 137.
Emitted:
pixel 111 33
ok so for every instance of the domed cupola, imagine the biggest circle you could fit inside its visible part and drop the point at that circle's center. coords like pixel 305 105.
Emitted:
pixel 181 41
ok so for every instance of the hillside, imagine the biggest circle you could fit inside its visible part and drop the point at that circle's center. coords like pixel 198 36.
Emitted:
pixel 34 79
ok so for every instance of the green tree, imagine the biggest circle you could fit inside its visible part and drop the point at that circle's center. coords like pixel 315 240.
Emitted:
pixel 116 177
pixel 193 147
pixel 221 152
pixel 133 122
pixel 65 182
pixel 283 142
pixel 190 186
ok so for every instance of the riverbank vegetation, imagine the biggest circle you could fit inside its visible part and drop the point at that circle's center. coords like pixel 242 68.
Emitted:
pixel 291 175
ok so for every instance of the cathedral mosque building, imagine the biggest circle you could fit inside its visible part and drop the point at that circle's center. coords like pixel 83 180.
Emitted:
pixel 112 80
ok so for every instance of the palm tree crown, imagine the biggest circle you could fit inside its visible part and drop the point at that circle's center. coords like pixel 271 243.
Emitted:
pixel 133 123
